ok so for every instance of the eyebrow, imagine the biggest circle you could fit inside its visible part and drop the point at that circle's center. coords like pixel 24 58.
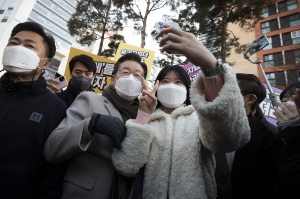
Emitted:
pixel 27 40
pixel 128 69
pixel 175 78
pixel 83 70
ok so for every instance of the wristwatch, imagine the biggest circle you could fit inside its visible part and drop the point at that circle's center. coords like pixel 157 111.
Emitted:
pixel 215 71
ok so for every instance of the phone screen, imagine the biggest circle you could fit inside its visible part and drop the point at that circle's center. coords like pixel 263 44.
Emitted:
pixel 262 41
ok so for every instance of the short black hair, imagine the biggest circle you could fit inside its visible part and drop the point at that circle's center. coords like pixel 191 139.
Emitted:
pixel 250 84
pixel 290 90
pixel 180 74
pixel 86 60
pixel 132 57
pixel 37 28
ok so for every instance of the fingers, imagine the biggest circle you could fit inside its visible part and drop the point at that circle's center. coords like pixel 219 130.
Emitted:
pixel 155 88
pixel 297 99
pixel 145 85
pixel 149 95
pixel 288 112
pixel 53 81
pixel 279 115
pixel 169 29
pixel 52 87
pixel 170 37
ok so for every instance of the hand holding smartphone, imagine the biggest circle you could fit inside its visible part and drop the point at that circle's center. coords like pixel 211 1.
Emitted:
pixel 160 26
pixel 62 81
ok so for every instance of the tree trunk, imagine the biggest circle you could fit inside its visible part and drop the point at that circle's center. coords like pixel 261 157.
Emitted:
pixel 143 32
pixel 104 27
pixel 223 36
pixel 172 60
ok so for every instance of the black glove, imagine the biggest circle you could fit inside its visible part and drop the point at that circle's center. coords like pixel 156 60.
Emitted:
pixel 110 126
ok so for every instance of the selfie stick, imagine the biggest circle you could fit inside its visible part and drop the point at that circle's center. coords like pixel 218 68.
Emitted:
pixel 272 95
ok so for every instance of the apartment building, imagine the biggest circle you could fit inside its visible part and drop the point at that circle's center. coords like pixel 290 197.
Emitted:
pixel 281 59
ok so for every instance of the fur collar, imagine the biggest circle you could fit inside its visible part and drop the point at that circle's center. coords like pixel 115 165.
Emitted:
pixel 181 110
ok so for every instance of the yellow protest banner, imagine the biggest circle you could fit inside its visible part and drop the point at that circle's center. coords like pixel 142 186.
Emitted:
pixel 104 69
pixel 147 55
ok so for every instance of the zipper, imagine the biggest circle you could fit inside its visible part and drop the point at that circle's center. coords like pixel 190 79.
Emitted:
pixel 15 96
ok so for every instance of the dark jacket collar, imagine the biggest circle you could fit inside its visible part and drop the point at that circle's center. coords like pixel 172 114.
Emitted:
pixel 72 90
pixel 255 124
pixel 24 88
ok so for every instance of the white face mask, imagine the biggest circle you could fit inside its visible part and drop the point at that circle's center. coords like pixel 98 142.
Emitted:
pixel 19 59
pixel 291 103
pixel 128 87
pixel 171 95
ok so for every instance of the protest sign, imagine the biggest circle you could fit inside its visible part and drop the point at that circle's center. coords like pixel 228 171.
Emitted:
pixel 104 69
pixel 192 70
pixel 146 55
pixel 266 105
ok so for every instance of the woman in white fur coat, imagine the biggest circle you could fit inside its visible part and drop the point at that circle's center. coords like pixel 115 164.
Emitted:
pixel 176 141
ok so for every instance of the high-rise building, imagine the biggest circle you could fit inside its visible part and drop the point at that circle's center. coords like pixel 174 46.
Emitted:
pixel 53 15
pixel 281 59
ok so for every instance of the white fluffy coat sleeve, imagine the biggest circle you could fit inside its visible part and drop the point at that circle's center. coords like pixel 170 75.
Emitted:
pixel 223 122
pixel 135 149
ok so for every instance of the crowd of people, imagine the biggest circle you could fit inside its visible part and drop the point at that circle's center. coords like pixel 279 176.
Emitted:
pixel 204 139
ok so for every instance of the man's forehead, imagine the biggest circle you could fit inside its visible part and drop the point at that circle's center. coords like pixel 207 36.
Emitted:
pixel 131 64
pixel 80 66
pixel 28 35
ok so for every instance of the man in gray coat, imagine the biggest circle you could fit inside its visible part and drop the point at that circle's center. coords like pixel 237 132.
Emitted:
pixel 94 125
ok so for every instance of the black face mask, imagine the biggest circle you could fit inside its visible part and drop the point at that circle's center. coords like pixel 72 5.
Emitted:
pixel 80 83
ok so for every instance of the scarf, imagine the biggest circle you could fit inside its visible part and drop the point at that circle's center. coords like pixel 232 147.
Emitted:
pixel 126 110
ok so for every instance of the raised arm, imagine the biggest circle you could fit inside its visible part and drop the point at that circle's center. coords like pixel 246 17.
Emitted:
pixel 223 121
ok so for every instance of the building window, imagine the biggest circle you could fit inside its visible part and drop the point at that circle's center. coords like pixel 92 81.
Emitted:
pixel 289 21
pixel 287 5
pixel 264 13
pixel 291 38
pixel 276 79
pixel 4 19
pixel 13 3
pixel 270 44
pixel 272 60
pixel 295 37
pixel 292 57
pixel 292 76
pixel 10 8
pixel 268 11
pixel 1 11
pixel 291 4
pixel 55 61
pixel 271 78
pixel 274 42
pixel 269 26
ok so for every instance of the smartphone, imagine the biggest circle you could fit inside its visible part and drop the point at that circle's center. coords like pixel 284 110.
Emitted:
pixel 49 74
pixel 159 26
pixel 262 42
pixel 62 79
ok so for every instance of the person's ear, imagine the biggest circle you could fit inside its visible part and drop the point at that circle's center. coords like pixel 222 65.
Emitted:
pixel 47 63
pixel 252 99
pixel 113 80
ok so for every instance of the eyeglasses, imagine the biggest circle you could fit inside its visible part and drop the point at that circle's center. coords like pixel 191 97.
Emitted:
pixel 137 74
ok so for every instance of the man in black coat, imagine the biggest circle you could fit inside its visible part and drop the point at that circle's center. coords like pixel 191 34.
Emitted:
pixel 251 171
pixel 28 114
pixel 82 70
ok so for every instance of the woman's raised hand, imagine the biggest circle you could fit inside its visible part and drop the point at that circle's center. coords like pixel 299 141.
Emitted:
pixel 188 45
pixel 148 101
